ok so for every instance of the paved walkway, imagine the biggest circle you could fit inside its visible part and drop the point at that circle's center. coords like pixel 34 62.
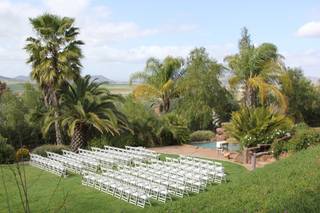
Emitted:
pixel 196 151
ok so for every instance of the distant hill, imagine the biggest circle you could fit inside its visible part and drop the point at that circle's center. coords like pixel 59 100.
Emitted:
pixel 24 79
pixel 101 78
pixel 2 78
pixel 15 80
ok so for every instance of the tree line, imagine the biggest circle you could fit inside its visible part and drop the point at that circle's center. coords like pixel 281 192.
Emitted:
pixel 173 97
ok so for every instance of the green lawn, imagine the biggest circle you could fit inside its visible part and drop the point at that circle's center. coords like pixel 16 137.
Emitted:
pixel 291 185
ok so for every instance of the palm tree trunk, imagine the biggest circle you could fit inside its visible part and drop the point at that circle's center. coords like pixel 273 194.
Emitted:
pixel 57 127
pixel 59 140
pixel 248 96
pixel 78 138
pixel 166 104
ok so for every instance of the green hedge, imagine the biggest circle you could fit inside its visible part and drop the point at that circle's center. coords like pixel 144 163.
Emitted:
pixel 7 152
pixel 201 135
pixel 41 150
pixel 302 139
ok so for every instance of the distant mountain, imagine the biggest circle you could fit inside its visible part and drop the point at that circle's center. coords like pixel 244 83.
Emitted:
pixel 101 78
pixel 16 80
pixel 2 78
pixel 22 78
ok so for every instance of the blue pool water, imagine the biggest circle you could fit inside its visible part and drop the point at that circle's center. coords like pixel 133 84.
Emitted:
pixel 213 145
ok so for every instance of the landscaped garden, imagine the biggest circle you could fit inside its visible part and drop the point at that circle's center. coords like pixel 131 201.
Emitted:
pixel 69 124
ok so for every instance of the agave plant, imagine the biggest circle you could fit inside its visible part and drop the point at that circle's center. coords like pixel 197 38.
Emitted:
pixel 87 104
pixel 252 126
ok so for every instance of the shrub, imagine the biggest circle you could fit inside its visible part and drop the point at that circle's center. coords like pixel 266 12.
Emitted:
pixel 173 130
pixel 41 150
pixel 201 135
pixel 232 141
pixel 147 128
pixel 6 152
pixel 252 126
pixel 278 146
pixel 22 154
pixel 99 142
pixel 303 137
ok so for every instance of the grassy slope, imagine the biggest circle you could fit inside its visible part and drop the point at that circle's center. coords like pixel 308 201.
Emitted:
pixel 292 184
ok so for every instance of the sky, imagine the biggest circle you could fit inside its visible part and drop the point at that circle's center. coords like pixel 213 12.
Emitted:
pixel 120 35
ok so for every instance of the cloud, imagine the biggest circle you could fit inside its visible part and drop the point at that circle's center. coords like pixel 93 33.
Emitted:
pixel 310 29
pixel 308 60
pixel 98 29
pixel 141 53
pixel 67 7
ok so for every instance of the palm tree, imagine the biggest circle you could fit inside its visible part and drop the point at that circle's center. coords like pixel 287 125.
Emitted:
pixel 54 55
pixel 87 104
pixel 258 71
pixel 158 81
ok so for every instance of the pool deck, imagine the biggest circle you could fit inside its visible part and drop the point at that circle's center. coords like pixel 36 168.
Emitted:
pixel 196 151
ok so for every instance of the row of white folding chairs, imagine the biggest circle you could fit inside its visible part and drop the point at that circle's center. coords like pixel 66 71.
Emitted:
pixel 196 179
pixel 215 174
pixel 105 161
pixel 176 186
pixel 116 188
pixel 135 156
pixel 121 158
pixel 155 190
pixel 205 174
pixel 200 164
pixel 71 164
pixel 193 181
pixel 214 167
pixel 176 167
pixel 143 151
pixel 99 156
pixel 212 174
pixel 87 162
pixel 49 165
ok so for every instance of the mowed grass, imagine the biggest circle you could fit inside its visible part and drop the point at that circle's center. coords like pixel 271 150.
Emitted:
pixel 290 185
pixel 50 193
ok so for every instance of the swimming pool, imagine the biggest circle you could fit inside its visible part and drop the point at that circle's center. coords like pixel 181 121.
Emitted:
pixel 213 145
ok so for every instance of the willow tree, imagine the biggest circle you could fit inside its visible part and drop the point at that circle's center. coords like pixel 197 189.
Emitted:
pixel 201 93
pixel 257 72
pixel 54 54
pixel 158 81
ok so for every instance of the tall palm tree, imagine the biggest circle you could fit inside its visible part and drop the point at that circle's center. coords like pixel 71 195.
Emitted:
pixel 54 55
pixel 87 104
pixel 158 81
pixel 257 71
